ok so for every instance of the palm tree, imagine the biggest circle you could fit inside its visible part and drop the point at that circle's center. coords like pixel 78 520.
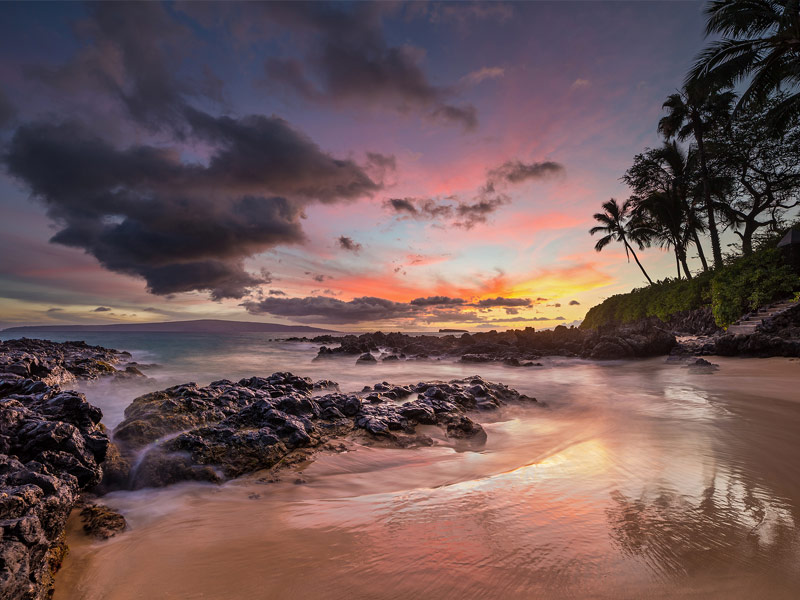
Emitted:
pixel 759 38
pixel 672 171
pixel 693 112
pixel 664 218
pixel 617 227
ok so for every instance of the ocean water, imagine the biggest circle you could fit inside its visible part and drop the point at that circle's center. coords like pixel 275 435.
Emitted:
pixel 635 479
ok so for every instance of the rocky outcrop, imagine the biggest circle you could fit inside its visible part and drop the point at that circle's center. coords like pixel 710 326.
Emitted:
pixel 518 347
pixel 51 447
pixel 228 429
pixel 777 335
pixel 758 344
pixel 57 363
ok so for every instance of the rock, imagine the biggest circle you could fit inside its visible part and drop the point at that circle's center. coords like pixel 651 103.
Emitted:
pixel 51 448
pixel 228 430
pixel 116 471
pixel 366 359
pixel 62 362
pixel 514 348
pixel 102 522
pixel 183 407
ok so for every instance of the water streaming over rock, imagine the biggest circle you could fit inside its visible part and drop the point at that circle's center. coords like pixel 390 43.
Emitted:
pixel 638 479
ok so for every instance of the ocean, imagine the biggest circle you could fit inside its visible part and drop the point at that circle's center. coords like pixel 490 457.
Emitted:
pixel 632 479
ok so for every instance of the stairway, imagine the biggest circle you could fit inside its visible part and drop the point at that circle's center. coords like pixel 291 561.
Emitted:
pixel 747 325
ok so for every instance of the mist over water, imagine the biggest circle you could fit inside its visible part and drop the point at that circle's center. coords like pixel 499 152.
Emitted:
pixel 636 479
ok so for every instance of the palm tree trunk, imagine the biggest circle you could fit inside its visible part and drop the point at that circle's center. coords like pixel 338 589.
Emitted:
pixel 700 252
pixel 636 258
pixel 716 249
pixel 686 270
pixel 678 264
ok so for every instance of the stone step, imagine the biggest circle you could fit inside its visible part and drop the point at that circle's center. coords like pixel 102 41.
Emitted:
pixel 748 325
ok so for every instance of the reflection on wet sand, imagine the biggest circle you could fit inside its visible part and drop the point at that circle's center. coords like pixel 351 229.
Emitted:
pixel 639 480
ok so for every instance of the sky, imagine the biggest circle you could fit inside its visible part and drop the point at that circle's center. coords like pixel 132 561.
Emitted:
pixel 354 166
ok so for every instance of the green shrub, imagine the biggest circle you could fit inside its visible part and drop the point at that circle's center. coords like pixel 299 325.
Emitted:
pixel 749 283
pixel 742 285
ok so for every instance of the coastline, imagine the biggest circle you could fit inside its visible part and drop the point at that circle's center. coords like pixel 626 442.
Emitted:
pixel 378 429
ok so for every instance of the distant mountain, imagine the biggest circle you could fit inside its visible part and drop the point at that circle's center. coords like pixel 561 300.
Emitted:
pixel 198 326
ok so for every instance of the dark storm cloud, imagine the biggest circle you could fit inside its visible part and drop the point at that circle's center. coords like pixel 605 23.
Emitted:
pixel 102 309
pixel 437 301
pixel 574 303
pixel 267 151
pixel 182 226
pixel 346 243
pixel 7 110
pixel 500 301
pixel 348 60
pixel 131 52
pixel 322 309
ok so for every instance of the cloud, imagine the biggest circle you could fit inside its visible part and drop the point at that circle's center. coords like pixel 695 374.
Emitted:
pixel 461 12
pixel 574 303
pixel 322 309
pixel 556 305
pixel 277 293
pixel 515 171
pixel 437 301
pixel 580 84
pixel 132 56
pixel 500 301
pixel 470 215
pixel 102 309
pixel 55 310
pixel 348 61
pixel 419 208
pixel 424 310
pixel 346 243
pixel 7 110
pixel 182 226
pixel 483 74
pixel 488 199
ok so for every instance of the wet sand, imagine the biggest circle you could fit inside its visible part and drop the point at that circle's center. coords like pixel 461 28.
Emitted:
pixel 639 479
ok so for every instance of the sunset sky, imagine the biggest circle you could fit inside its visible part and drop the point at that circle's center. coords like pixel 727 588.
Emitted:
pixel 352 166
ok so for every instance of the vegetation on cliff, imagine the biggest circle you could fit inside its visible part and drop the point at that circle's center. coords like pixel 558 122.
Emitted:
pixel 743 284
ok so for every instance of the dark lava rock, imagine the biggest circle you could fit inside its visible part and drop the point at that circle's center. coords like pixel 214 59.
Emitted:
pixel 186 406
pixel 518 347
pixel 759 344
pixel 62 362
pixel 51 447
pixel 102 522
pixel 366 359
pixel 225 430
pixel 701 365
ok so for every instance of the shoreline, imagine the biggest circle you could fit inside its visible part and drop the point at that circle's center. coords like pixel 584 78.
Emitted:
pixel 385 416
